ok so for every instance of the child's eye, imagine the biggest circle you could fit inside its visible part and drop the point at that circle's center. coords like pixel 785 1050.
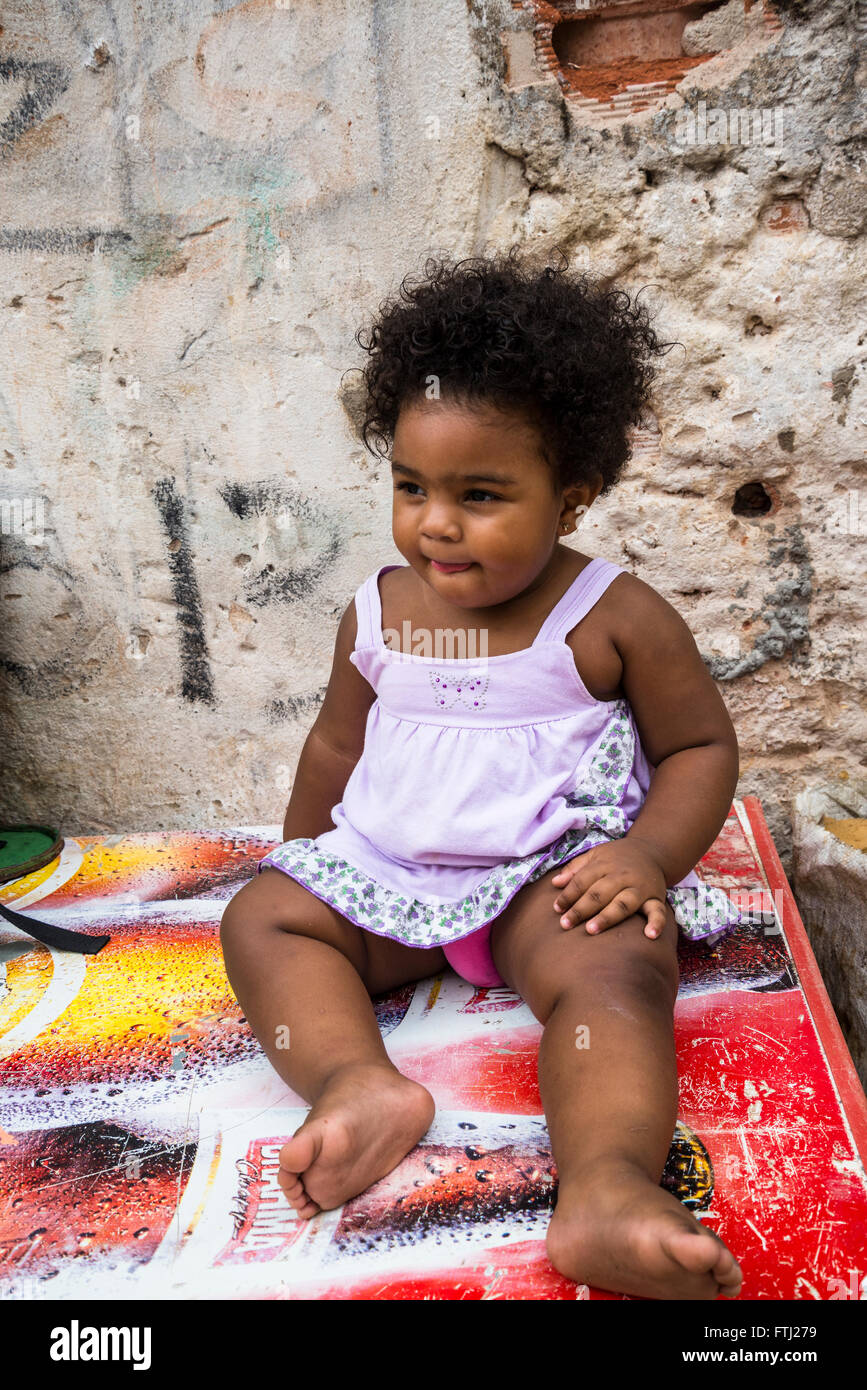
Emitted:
pixel 474 495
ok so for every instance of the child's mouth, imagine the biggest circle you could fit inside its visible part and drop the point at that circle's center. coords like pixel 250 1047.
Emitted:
pixel 451 569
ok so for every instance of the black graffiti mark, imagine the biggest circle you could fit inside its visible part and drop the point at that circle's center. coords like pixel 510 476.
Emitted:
pixel 273 498
pixel 47 680
pixel 44 83
pixel 786 611
pixel 196 680
pixel 56 239
pixel 294 706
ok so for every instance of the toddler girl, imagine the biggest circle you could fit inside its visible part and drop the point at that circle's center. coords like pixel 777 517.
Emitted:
pixel 529 810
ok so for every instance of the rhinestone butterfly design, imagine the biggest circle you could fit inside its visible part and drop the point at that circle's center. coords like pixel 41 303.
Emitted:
pixel 467 690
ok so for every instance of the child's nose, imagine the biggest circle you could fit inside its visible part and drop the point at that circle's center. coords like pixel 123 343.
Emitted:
pixel 439 522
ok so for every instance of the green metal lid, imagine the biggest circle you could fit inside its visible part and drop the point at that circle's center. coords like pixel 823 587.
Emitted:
pixel 24 848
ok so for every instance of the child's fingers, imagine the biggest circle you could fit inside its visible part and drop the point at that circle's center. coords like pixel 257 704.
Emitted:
pixel 565 897
pixel 655 910
pixel 565 871
pixel 579 877
pixel 606 902
pixel 576 884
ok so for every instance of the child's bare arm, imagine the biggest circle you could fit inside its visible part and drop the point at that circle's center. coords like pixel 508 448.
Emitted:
pixel 333 745
pixel 687 734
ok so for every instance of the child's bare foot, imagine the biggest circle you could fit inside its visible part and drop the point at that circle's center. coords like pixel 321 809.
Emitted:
pixel 365 1121
pixel 619 1231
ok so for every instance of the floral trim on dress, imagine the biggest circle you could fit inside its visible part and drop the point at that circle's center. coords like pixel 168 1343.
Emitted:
pixel 414 921
pixel 607 776
pixel 702 913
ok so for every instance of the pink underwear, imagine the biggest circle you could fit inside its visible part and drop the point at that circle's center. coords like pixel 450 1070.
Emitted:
pixel 471 958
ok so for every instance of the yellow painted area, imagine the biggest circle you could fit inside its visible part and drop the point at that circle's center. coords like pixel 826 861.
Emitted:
pixel 137 855
pixel 852 832
pixel 432 997
pixel 156 857
pixel 137 993
pixel 17 887
pixel 27 978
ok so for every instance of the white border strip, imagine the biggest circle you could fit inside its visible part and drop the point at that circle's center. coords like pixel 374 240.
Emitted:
pixel 67 977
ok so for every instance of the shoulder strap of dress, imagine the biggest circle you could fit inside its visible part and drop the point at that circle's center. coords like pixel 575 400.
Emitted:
pixel 368 610
pixel 578 599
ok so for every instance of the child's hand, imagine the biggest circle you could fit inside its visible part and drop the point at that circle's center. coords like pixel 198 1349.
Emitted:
pixel 613 881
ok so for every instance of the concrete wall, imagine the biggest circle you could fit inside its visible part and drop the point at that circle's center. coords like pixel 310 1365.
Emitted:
pixel 199 205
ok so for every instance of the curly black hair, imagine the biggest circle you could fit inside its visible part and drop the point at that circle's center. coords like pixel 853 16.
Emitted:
pixel 500 329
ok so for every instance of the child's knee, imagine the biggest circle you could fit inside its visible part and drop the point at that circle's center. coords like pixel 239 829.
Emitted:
pixel 618 961
pixel 273 903
pixel 262 902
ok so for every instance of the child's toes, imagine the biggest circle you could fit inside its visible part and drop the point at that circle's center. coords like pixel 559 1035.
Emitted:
pixel 728 1273
pixel 726 1268
pixel 299 1152
pixel 699 1251
pixel 295 1194
pixel 297 1198
pixel 704 1252
pixel 307 1209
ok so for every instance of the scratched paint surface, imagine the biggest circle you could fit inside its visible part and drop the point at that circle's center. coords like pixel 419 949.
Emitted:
pixel 140 1123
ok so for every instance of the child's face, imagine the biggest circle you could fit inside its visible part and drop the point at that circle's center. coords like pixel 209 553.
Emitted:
pixel 471 488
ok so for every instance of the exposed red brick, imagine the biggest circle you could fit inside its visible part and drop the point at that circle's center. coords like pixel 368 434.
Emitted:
pixel 605 82
pixel 642 54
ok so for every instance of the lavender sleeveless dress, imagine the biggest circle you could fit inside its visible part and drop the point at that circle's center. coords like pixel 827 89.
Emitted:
pixel 478 776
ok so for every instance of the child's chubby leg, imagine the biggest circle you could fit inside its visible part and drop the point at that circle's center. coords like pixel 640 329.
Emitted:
pixel 296 964
pixel 610 1099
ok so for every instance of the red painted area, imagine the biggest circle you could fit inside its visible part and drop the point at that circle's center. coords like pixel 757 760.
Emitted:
pixel 115 1166
pixel 521 1273
pixel 787 1197
pixel 838 1062
pixel 482 1075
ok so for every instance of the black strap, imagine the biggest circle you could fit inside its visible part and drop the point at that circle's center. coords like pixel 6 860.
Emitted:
pixel 55 936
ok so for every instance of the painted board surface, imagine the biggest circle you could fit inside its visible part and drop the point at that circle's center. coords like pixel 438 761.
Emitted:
pixel 141 1123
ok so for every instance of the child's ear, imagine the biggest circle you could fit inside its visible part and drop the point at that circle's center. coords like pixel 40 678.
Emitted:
pixel 584 495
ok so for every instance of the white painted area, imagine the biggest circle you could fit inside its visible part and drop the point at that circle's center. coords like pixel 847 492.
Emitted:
pixel 69 969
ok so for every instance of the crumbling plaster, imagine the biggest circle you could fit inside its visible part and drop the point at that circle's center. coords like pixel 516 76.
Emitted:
pixel 200 205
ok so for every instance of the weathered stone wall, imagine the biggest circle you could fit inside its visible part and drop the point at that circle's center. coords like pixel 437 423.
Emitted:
pixel 200 205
